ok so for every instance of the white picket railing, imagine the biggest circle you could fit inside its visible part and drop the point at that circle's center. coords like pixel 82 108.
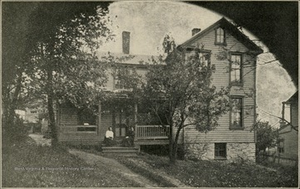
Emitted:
pixel 151 132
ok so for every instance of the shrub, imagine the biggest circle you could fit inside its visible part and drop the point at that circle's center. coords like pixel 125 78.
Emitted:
pixel 15 132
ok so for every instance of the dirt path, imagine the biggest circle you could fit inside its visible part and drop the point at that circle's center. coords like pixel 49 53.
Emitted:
pixel 110 164
pixel 106 163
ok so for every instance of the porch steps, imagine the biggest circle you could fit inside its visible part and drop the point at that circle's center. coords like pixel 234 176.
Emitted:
pixel 120 150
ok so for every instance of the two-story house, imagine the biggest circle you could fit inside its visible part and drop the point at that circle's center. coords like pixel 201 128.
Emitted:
pixel 234 56
pixel 288 131
pixel 119 111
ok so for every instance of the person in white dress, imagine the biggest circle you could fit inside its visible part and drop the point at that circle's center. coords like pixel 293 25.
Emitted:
pixel 109 137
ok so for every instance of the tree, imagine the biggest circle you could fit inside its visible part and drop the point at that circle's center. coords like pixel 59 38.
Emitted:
pixel 62 40
pixel 15 56
pixel 266 136
pixel 67 65
pixel 180 93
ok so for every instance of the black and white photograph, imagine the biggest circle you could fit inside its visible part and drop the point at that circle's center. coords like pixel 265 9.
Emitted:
pixel 149 94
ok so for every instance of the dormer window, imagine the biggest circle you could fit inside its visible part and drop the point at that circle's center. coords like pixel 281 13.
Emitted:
pixel 220 37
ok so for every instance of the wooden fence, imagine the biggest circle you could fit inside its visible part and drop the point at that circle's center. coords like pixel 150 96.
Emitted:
pixel 279 160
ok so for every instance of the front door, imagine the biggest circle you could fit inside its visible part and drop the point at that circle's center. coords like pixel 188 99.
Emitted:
pixel 117 114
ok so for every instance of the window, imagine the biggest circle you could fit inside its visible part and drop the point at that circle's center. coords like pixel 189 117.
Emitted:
pixel 236 113
pixel 204 58
pixel 220 150
pixel 281 145
pixel 220 36
pixel 235 68
pixel 119 83
pixel 86 117
pixel 119 78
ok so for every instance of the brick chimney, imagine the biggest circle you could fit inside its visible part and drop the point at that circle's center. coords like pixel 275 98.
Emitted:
pixel 195 30
pixel 126 42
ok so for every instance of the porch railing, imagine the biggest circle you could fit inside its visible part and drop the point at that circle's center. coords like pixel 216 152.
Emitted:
pixel 151 132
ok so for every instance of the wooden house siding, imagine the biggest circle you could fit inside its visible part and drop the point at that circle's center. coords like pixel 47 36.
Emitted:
pixel 215 136
pixel 68 125
pixel 221 78
pixel 68 119
pixel 288 132
pixel 68 116
pixel 294 114
pixel 290 142
pixel 110 84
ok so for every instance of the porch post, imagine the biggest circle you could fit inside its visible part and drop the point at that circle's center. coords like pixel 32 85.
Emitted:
pixel 58 115
pixel 120 121
pixel 99 118
pixel 135 117
pixel 114 120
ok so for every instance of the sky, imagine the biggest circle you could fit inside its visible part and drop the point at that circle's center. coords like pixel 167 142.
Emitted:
pixel 148 23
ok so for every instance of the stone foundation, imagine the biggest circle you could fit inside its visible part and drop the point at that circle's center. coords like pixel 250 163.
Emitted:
pixel 204 151
pixel 236 152
pixel 241 151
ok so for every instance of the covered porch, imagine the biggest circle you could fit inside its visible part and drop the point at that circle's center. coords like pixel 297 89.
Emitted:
pixel 82 126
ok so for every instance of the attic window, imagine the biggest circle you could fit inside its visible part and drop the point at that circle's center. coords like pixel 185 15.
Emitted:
pixel 220 37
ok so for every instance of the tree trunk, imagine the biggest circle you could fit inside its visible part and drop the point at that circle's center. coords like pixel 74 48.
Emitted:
pixel 175 151
pixel 52 119
pixel 12 103
pixel 172 152
pixel 50 95
pixel 171 146
pixel 5 102
pixel 174 146
pixel 51 108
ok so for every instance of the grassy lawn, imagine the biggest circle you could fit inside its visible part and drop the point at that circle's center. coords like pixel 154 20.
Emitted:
pixel 218 174
pixel 28 165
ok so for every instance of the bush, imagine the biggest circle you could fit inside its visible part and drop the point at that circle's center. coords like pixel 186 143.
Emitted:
pixel 15 132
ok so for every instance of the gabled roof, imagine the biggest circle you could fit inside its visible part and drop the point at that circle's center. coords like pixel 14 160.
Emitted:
pixel 229 27
pixel 291 128
pixel 293 98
